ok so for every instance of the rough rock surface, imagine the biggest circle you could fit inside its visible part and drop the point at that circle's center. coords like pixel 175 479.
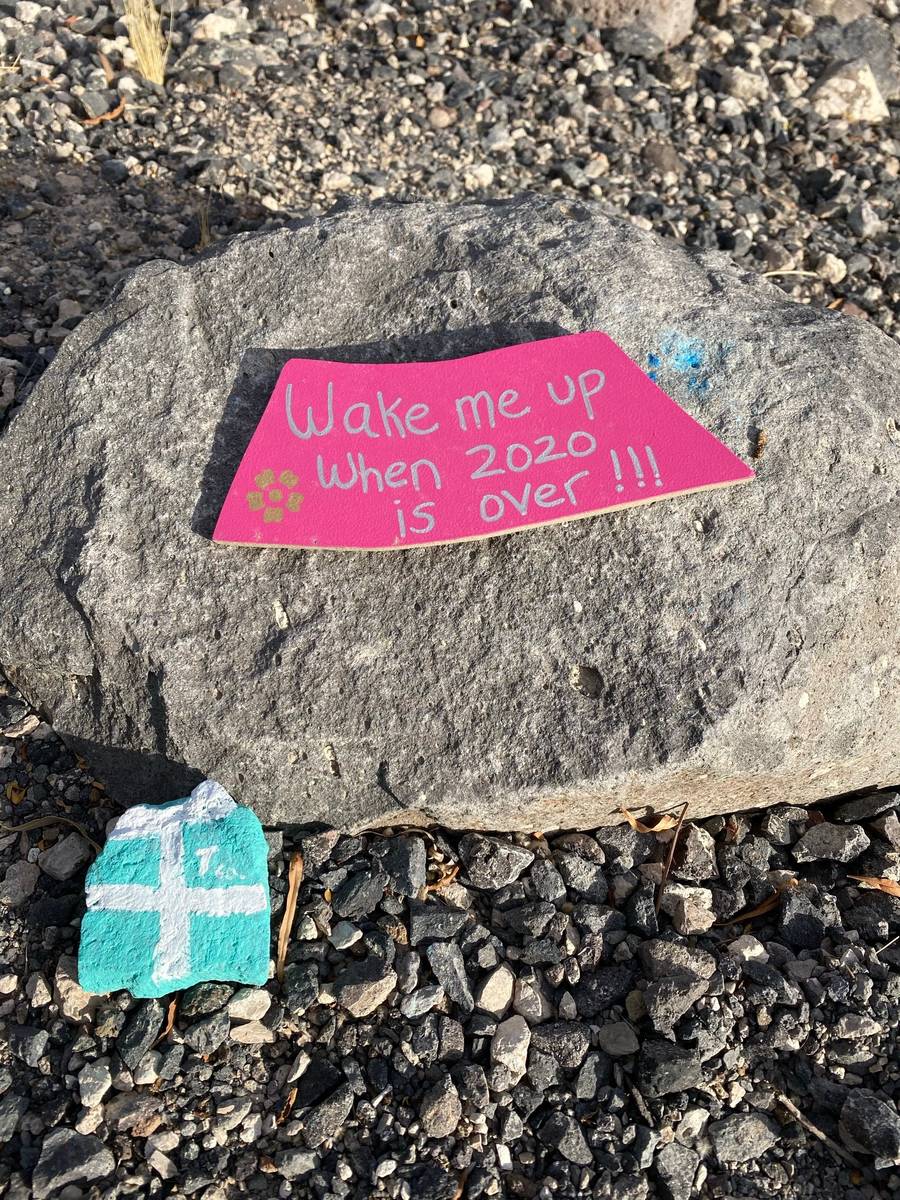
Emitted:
pixel 669 20
pixel 850 92
pixel 743 642
pixel 68 1157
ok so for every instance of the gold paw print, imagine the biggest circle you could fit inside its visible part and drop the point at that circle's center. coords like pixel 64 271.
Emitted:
pixel 274 495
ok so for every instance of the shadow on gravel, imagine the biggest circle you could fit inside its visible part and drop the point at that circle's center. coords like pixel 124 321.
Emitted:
pixel 259 370
pixel 145 776
pixel 69 233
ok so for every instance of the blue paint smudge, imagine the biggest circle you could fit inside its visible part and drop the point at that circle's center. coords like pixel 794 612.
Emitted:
pixel 689 358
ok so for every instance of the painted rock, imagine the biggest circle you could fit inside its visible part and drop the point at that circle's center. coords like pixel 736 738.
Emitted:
pixel 180 894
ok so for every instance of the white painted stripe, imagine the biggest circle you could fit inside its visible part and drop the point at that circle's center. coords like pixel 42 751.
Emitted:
pixel 172 959
pixel 222 902
pixel 128 897
pixel 211 902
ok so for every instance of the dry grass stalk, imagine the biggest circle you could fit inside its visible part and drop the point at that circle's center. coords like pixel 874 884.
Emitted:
pixel 150 45
pixel 295 878
pixel 670 858
pixel 205 239
pixel 770 903
pixel 39 822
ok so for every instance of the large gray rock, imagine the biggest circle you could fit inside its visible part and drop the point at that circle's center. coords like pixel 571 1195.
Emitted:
pixel 670 20
pixel 741 645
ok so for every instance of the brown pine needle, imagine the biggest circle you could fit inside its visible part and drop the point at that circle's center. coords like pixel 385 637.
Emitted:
pixel 295 878
pixel 767 905
pixel 761 909
pixel 107 116
pixel 670 857
pixel 170 1021
pixel 876 883
pixel 39 822
pixel 655 824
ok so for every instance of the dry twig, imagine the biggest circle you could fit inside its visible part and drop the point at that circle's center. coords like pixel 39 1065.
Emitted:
pixel 295 878
pixel 816 1131
pixel 640 1104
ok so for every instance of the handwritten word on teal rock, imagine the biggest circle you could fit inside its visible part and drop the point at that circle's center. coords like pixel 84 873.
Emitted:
pixel 179 894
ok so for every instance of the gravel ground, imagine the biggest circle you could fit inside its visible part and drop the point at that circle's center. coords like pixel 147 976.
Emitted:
pixel 467 1016
pixel 526 1027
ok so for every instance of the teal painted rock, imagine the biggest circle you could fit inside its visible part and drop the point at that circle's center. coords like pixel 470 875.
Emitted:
pixel 179 894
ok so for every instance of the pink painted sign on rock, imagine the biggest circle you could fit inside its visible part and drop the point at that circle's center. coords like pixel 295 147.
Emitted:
pixel 383 457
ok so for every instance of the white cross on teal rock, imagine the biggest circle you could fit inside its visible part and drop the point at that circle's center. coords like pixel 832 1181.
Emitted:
pixel 179 894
